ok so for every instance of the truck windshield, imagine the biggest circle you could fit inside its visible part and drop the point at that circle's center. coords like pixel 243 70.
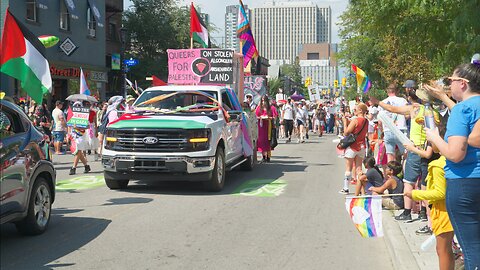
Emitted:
pixel 172 101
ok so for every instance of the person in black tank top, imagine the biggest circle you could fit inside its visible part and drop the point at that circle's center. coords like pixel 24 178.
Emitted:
pixel 394 186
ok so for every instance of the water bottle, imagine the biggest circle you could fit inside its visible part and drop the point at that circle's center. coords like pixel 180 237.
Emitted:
pixel 429 118
pixel 429 243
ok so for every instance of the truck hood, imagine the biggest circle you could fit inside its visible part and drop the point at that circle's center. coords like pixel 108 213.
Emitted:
pixel 160 121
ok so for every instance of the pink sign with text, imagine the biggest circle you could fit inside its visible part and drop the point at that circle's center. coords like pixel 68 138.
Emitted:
pixel 200 66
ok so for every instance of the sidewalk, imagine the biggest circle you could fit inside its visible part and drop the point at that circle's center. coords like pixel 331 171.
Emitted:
pixel 404 245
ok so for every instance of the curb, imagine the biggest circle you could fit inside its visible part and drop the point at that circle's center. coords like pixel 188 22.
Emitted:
pixel 400 253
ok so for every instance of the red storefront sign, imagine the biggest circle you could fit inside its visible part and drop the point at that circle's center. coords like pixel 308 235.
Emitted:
pixel 67 72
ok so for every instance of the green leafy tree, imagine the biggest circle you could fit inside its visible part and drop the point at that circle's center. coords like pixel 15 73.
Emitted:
pixel 153 27
pixel 394 40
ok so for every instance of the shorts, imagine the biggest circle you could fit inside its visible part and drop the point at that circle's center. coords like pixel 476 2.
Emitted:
pixel 390 204
pixel 415 167
pixel 440 220
pixel 350 153
pixel 58 136
pixel 391 141
pixel 300 123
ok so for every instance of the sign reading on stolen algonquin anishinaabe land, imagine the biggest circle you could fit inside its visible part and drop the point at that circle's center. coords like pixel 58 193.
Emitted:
pixel 200 66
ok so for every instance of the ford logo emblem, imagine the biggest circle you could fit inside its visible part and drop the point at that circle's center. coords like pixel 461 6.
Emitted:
pixel 150 140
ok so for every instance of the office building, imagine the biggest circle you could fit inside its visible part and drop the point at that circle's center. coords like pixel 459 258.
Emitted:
pixel 318 62
pixel 280 28
pixel 231 20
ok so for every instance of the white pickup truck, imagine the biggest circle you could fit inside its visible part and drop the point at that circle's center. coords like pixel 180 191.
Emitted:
pixel 187 132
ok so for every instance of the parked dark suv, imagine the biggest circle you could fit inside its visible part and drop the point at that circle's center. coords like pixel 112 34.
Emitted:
pixel 27 174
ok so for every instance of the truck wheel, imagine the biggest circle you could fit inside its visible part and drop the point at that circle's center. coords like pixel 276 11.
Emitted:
pixel 217 180
pixel 116 184
pixel 248 165
pixel 39 209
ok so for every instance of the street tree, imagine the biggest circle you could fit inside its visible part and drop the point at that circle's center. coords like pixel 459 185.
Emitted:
pixel 153 26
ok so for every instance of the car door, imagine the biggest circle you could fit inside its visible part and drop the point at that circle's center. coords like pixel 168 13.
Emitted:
pixel 13 179
pixel 234 128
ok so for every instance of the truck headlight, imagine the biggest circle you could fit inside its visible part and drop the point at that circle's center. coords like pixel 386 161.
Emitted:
pixel 110 138
pixel 199 139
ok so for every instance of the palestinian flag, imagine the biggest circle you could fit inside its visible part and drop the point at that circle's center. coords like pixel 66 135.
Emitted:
pixel 22 57
pixel 198 30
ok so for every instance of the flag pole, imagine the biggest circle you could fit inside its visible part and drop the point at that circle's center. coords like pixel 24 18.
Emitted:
pixel 373 196
pixel 191 42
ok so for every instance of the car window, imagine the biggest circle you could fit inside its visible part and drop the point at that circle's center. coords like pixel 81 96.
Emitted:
pixel 10 123
pixel 227 105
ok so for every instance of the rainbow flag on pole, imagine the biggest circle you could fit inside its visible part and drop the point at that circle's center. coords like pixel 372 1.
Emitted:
pixel 366 214
pixel 244 33
pixel 362 79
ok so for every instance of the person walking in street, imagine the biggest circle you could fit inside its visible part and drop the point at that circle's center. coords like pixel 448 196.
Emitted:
pixel 110 115
pixel 266 115
pixel 356 151
pixel 287 118
pixel 59 127
pixel 301 117
pixel 79 144
pixel 462 169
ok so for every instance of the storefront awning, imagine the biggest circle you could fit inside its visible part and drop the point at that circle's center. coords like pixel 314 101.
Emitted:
pixel 96 12
pixel 72 8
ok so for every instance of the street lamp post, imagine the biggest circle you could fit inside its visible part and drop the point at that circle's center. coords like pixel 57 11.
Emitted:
pixel 123 37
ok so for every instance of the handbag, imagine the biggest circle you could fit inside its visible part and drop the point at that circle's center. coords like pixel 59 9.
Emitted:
pixel 348 140
pixel 273 140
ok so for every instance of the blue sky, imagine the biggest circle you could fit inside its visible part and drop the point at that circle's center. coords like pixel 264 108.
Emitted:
pixel 216 10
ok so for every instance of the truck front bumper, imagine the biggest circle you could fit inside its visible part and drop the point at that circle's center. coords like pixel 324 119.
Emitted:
pixel 149 164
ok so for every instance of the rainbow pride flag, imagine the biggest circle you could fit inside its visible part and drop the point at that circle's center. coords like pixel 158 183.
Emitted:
pixel 246 142
pixel 362 79
pixel 244 33
pixel 366 214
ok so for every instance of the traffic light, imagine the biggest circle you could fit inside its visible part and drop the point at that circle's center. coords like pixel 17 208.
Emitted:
pixel 344 81
pixel 308 81
pixel 335 83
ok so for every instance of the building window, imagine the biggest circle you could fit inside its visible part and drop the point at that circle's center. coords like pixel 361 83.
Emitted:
pixel 91 23
pixel 31 10
pixel 313 56
pixel 64 17
pixel 112 31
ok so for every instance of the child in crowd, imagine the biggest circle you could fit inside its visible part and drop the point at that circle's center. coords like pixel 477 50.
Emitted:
pixel 393 184
pixel 382 153
pixel 373 177
pixel 441 226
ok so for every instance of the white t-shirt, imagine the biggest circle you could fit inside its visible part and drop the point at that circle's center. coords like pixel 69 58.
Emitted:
pixel 398 119
pixel 57 114
pixel 287 112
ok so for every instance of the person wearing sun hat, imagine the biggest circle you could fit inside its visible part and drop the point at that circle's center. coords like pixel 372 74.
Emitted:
pixel 129 101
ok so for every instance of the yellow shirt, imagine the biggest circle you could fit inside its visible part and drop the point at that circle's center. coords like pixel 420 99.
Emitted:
pixel 436 183
pixel 435 194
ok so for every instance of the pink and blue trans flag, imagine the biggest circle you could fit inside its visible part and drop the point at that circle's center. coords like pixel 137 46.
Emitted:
pixel 83 84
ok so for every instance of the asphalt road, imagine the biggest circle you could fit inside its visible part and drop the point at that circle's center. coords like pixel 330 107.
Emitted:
pixel 283 215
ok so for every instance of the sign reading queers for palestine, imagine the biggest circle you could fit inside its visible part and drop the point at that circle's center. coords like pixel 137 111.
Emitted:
pixel 200 66
pixel 79 117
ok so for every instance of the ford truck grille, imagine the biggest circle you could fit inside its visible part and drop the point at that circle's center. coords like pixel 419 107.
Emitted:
pixel 171 140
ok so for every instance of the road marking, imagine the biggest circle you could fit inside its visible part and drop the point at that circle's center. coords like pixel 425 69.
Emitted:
pixel 261 188
pixel 81 182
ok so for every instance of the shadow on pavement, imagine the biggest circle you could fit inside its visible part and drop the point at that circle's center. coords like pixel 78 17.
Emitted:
pixel 64 235
pixel 118 201
pixel 268 171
